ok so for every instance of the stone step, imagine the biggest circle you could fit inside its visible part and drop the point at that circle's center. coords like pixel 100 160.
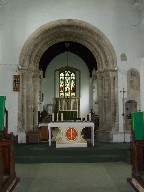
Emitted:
pixel 42 153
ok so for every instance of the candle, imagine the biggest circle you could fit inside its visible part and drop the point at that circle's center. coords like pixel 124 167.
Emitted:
pixel 86 117
pixel 52 117
pixel 61 116
pixel 57 116
pixel 77 114
pixel 89 116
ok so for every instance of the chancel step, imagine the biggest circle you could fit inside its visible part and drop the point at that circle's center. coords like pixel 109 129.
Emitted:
pixel 102 152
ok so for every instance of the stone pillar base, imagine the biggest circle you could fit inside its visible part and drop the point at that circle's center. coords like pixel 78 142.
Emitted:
pixel 104 136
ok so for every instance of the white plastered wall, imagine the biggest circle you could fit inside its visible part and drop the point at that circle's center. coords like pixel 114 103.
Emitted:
pixel 48 81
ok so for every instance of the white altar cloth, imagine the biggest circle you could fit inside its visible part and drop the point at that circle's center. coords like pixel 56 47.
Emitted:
pixel 80 125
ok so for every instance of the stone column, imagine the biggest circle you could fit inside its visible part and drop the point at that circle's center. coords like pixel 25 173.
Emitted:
pixel 90 94
pixel 20 113
pixel 36 88
pixel 113 100
pixel 22 103
pixel 107 102
pixel 29 101
pixel 100 98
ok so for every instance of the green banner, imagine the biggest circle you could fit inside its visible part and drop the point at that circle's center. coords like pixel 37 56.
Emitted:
pixel 2 112
pixel 138 125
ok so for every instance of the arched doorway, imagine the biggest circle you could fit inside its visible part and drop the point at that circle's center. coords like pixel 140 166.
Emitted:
pixel 87 35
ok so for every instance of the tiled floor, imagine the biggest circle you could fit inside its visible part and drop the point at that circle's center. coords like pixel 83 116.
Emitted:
pixel 70 177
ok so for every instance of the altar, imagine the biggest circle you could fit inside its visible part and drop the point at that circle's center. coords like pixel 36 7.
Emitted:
pixel 70 133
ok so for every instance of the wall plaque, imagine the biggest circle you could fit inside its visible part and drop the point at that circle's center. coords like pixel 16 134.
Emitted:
pixel 16 82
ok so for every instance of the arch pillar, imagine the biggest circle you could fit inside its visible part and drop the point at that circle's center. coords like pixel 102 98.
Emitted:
pixel 114 100
pixel 22 101
pixel 29 101
pixel 100 98
pixel 106 104
pixel 36 88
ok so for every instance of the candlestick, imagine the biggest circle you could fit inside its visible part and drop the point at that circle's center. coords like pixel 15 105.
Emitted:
pixel 52 117
pixel 57 116
pixel 61 116
pixel 89 116
pixel 86 117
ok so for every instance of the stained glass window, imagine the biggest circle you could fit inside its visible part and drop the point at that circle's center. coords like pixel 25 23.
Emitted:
pixel 67 84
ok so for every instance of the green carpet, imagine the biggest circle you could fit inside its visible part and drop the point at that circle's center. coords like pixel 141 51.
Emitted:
pixel 101 152
pixel 103 168
pixel 74 177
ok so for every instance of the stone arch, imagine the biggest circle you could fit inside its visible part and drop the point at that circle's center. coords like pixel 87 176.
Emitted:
pixel 91 37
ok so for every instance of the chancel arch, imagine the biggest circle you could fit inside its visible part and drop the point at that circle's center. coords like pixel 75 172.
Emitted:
pixel 101 48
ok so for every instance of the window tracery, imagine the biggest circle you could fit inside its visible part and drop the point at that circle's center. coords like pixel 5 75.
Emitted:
pixel 67 85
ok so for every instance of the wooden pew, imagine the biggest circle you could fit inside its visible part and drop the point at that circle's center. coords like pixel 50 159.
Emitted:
pixel 8 179
pixel 137 151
